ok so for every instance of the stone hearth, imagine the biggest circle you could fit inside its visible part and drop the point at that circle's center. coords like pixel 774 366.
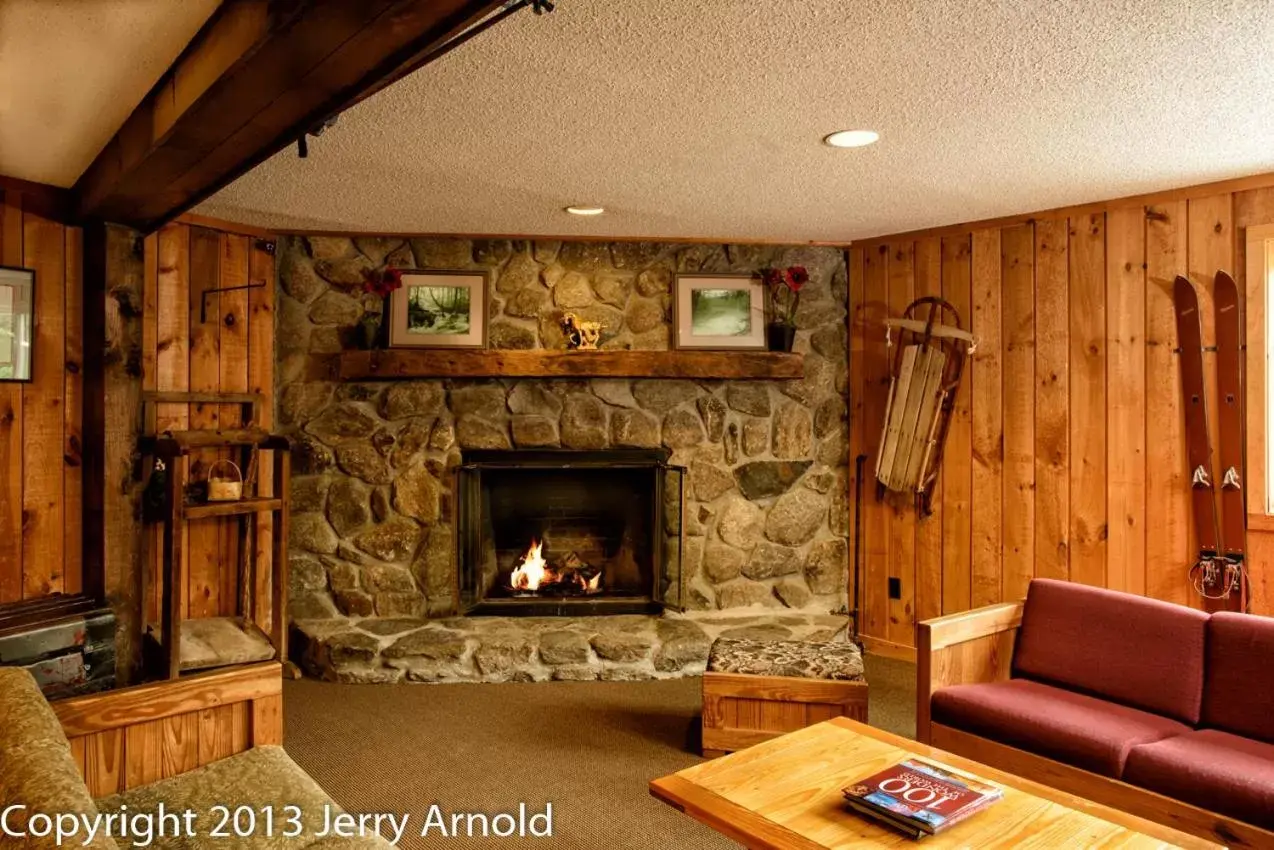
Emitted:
pixel 527 649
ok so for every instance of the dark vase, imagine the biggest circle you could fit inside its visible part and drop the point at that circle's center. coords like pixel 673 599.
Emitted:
pixel 779 337
pixel 382 330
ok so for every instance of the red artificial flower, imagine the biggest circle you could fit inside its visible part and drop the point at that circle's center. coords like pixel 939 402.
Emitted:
pixel 381 282
pixel 797 277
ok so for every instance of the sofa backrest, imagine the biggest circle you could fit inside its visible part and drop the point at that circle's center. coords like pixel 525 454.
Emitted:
pixel 1238 691
pixel 38 770
pixel 1132 650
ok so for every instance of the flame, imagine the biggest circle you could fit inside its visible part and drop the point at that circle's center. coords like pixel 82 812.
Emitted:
pixel 533 571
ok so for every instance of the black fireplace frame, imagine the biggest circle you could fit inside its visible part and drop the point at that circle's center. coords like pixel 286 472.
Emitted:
pixel 666 591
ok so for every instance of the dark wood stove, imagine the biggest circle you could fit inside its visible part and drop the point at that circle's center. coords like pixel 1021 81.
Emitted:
pixel 560 532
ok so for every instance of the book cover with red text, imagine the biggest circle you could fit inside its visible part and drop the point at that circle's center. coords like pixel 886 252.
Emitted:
pixel 921 794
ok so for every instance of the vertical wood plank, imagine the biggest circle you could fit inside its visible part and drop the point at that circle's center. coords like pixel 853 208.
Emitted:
pixel 261 381
pixel 1052 398
pixel 104 762
pixel 1170 534
pixel 1088 399
pixel 1210 246
pixel 204 564
pixel 988 424
pixel 216 734
pixel 928 594
pixel 73 413
pixel 267 721
pixel 957 473
pixel 241 726
pixel 11 454
pixel 1126 399
pixel 1017 255
pixel 876 514
pixel 901 627
pixel 180 747
pixel 858 330
pixel 150 351
pixel 43 508
pixel 143 754
pixel 233 365
pixel 172 345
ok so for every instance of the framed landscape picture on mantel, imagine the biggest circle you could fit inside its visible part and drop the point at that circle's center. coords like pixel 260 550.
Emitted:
pixel 439 309
pixel 716 311
pixel 17 323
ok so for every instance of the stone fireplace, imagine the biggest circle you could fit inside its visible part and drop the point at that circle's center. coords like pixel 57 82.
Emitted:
pixel 386 562
pixel 561 532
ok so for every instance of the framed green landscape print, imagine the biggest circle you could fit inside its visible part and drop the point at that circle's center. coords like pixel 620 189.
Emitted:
pixel 718 311
pixel 17 323
pixel 439 309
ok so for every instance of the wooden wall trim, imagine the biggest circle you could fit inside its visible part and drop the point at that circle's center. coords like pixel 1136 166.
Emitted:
pixel 1199 190
pixel 563 237
pixel 116 709
pixel 225 225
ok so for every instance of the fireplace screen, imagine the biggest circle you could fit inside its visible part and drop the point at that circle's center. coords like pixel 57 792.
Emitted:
pixel 569 532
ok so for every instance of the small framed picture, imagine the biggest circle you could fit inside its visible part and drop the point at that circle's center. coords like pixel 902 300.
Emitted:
pixel 718 311
pixel 17 323
pixel 439 309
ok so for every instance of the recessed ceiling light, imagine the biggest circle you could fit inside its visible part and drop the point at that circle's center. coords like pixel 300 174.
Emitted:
pixel 580 210
pixel 852 138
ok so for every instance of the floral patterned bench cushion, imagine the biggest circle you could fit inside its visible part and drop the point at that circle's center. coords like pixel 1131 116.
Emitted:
pixel 798 659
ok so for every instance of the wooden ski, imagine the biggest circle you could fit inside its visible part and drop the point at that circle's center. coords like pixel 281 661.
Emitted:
pixel 1231 433
pixel 1198 440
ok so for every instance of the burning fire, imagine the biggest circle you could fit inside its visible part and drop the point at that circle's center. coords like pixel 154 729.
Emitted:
pixel 534 573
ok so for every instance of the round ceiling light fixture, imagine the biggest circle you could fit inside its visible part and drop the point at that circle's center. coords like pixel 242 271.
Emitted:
pixel 852 138
pixel 580 209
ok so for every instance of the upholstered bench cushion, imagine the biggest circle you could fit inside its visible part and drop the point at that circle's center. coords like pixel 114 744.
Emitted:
pixel 1211 769
pixel 1070 727
pixel 794 658
pixel 1239 690
pixel 260 777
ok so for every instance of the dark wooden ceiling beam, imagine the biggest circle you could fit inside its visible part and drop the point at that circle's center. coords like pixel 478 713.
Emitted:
pixel 259 74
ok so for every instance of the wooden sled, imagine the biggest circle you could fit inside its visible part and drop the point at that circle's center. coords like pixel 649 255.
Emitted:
pixel 928 362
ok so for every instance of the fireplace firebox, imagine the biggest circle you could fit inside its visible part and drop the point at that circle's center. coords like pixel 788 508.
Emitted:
pixel 563 532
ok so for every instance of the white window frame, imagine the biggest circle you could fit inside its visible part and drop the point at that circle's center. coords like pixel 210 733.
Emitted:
pixel 1260 267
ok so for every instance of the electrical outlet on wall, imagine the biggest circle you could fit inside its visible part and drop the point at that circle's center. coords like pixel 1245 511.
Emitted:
pixel 895 588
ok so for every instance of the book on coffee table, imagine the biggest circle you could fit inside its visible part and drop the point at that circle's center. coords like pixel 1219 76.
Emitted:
pixel 919 798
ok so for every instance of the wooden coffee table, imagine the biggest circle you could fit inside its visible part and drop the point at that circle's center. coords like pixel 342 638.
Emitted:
pixel 786 793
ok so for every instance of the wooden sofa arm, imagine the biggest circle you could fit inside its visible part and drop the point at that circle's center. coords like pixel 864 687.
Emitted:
pixel 134 736
pixel 972 646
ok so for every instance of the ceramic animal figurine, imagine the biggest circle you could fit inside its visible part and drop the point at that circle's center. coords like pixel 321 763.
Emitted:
pixel 580 335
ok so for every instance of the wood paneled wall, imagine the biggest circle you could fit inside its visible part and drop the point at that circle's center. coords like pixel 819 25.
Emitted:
pixel 1066 454
pixel 41 487
pixel 229 347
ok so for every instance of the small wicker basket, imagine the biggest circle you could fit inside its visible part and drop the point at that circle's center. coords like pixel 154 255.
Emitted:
pixel 221 487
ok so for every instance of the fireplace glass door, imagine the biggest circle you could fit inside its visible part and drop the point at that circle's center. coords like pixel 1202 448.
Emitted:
pixel 569 532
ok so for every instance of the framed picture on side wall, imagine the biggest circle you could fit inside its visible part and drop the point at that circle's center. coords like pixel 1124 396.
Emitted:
pixel 439 309
pixel 718 311
pixel 17 323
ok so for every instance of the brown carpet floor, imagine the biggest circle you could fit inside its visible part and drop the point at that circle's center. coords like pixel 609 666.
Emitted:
pixel 589 748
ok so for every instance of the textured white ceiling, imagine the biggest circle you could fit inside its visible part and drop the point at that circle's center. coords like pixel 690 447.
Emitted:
pixel 705 119
pixel 71 71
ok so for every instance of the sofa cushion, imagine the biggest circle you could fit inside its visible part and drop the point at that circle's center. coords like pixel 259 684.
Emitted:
pixel 1069 727
pixel 1213 770
pixel 1238 688
pixel 1136 651
pixel 36 767
pixel 260 777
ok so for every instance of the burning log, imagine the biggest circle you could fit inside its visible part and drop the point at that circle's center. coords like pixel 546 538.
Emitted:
pixel 569 576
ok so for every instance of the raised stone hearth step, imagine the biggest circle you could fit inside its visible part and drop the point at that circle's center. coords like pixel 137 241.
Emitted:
pixel 526 649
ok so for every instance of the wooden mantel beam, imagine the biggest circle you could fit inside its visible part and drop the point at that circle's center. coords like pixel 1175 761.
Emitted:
pixel 258 75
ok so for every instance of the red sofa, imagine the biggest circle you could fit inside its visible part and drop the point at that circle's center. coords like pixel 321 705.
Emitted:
pixel 1113 693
